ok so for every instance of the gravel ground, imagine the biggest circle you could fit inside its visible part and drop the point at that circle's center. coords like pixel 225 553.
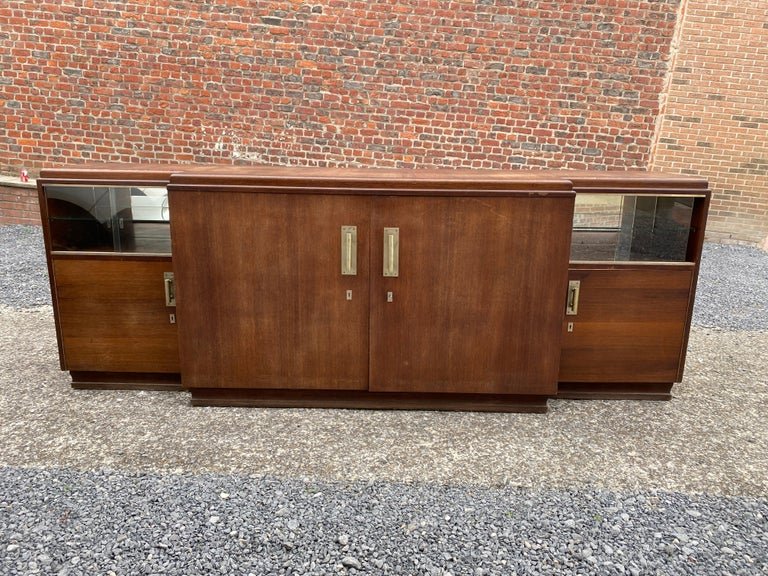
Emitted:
pixel 23 272
pixel 732 289
pixel 712 437
pixel 142 483
pixel 150 524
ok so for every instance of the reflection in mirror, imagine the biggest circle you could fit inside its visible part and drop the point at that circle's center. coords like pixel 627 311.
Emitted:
pixel 150 204
pixel 617 228
pixel 108 219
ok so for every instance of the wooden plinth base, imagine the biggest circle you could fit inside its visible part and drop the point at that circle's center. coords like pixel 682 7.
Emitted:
pixel 367 400
pixel 370 400
pixel 125 381
pixel 622 391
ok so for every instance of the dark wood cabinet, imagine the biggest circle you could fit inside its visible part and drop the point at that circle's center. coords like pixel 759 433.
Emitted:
pixel 477 304
pixel 630 328
pixel 261 301
pixel 451 294
pixel 107 238
pixel 476 290
pixel 635 253
pixel 113 317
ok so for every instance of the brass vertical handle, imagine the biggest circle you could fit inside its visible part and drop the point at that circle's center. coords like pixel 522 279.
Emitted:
pixel 170 289
pixel 349 250
pixel 391 252
pixel 572 301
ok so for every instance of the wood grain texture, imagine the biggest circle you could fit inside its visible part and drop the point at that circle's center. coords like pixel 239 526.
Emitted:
pixel 261 299
pixel 170 382
pixel 630 327
pixel 609 181
pixel 262 313
pixel 614 391
pixel 112 315
pixel 111 173
pixel 695 247
pixel 353 399
pixel 368 180
pixel 478 303
pixel 625 181
pixel 47 240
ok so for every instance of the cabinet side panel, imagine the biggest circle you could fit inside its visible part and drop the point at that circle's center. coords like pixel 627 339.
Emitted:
pixel 49 261
pixel 113 317
pixel 630 326
pixel 261 299
pixel 478 303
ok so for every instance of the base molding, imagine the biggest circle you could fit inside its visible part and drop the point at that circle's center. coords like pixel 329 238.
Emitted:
pixel 354 399
pixel 614 391
pixel 361 399
pixel 126 381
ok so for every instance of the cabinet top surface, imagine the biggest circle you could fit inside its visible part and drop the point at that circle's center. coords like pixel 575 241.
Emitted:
pixel 228 175
pixel 127 172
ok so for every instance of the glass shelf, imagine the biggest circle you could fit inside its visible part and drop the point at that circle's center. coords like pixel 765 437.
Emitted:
pixel 108 219
pixel 627 228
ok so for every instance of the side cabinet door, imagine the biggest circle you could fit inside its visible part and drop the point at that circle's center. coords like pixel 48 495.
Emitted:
pixel 261 298
pixel 629 326
pixel 113 317
pixel 476 305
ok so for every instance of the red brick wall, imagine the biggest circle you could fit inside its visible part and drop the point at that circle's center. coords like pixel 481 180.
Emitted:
pixel 19 205
pixel 480 83
pixel 715 120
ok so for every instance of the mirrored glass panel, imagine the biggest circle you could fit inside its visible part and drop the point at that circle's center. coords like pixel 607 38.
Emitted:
pixel 617 227
pixel 109 219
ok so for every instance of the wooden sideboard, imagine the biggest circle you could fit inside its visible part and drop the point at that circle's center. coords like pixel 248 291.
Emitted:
pixel 106 269
pixel 444 289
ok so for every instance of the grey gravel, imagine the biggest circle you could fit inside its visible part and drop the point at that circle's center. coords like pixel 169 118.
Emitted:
pixel 23 271
pixel 141 483
pixel 97 522
pixel 732 288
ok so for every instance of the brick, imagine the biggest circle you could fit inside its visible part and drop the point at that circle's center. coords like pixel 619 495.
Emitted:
pixel 503 84
pixel 714 111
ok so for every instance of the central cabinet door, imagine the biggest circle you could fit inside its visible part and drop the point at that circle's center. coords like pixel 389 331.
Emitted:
pixel 426 294
pixel 262 302
pixel 467 296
